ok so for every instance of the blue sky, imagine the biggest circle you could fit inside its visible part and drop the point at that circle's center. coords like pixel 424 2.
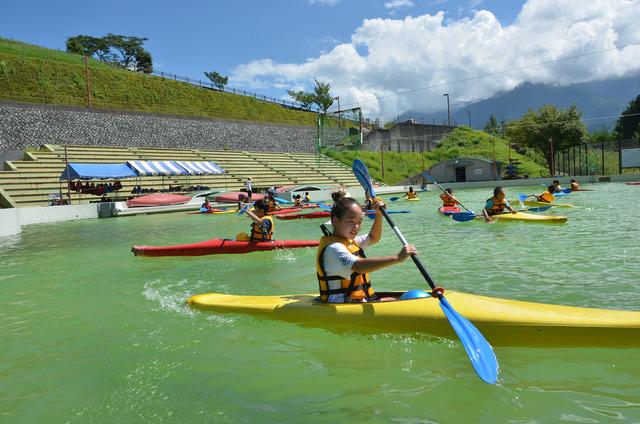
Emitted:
pixel 372 52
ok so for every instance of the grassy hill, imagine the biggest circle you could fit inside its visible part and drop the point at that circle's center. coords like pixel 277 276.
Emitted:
pixel 35 74
pixel 462 142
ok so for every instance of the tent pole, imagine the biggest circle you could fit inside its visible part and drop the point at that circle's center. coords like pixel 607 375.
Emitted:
pixel 66 162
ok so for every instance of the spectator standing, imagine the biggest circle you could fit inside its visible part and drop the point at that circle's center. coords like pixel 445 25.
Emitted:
pixel 248 188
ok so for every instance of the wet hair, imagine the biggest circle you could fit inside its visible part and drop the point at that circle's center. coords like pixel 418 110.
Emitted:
pixel 341 203
pixel 450 191
pixel 551 189
pixel 497 190
pixel 410 188
pixel 262 205
pixel 573 181
pixel 556 182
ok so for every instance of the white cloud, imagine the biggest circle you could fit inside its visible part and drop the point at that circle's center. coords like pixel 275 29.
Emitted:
pixel 386 57
pixel 396 4
pixel 324 2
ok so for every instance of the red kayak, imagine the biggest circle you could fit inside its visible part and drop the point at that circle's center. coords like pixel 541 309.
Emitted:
pixel 293 209
pixel 448 210
pixel 214 210
pixel 310 215
pixel 219 247
pixel 158 200
pixel 633 183
pixel 232 197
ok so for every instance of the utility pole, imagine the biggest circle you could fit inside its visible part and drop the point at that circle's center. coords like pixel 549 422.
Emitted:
pixel 469 115
pixel 88 80
pixel 448 109
pixel 553 165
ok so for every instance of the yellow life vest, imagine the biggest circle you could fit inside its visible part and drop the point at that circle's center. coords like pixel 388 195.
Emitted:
pixel 297 202
pixel 307 198
pixel 411 194
pixel 357 287
pixel 546 197
pixel 498 206
pixel 575 187
pixel 272 205
pixel 257 233
pixel 447 201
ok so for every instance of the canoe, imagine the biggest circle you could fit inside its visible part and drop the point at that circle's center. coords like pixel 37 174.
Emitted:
pixel 220 246
pixel 292 209
pixel 537 203
pixel 157 200
pixel 448 210
pixel 633 183
pixel 232 197
pixel 213 212
pixel 503 322
pixel 309 215
pixel 528 217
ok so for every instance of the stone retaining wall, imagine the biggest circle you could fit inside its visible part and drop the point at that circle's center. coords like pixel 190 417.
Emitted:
pixel 25 125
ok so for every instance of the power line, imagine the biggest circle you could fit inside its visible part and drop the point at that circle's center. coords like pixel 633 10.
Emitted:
pixel 492 74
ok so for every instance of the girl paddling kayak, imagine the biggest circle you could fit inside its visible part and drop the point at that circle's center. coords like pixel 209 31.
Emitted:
pixel 342 268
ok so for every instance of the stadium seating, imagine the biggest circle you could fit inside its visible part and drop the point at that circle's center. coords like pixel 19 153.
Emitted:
pixel 33 180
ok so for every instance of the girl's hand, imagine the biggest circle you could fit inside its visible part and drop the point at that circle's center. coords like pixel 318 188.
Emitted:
pixel 407 251
pixel 376 204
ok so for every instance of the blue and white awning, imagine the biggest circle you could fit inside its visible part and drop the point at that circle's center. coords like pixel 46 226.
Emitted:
pixel 201 168
pixel 156 167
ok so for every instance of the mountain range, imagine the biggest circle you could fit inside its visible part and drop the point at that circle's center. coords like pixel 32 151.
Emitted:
pixel 600 102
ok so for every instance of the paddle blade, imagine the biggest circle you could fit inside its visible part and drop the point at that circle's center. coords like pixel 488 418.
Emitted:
pixel 203 209
pixel 393 199
pixel 522 197
pixel 243 210
pixel 463 216
pixel 324 206
pixel 566 190
pixel 428 177
pixel 362 174
pixel 540 209
pixel 478 349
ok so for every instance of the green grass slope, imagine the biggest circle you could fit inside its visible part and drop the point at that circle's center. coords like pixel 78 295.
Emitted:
pixel 462 142
pixel 35 74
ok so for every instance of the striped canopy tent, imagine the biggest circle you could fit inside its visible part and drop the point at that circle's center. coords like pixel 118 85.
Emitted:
pixel 201 168
pixel 156 167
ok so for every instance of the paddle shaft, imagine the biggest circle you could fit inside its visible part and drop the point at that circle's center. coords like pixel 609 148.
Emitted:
pixel 414 258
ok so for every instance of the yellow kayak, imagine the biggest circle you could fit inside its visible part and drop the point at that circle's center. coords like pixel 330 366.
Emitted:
pixel 541 204
pixel 528 217
pixel 503 322
pixel 415 199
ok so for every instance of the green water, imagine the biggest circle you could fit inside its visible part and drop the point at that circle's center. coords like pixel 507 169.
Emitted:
pixel 91 334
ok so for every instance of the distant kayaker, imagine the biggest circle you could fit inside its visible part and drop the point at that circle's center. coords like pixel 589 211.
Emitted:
pixel 496 205
pixel 206 206
pixel 307 197
pixel 448 199
pixel 556 187
pixel 271 203
pixel 411 194
pixel 297 200
pixel 574 185
pixel 341 266
pixel 248 188
pixel 262 226
pixel 242 199
pixel 547 196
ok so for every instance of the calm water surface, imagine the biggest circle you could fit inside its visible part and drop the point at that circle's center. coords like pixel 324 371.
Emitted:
pixel 91 334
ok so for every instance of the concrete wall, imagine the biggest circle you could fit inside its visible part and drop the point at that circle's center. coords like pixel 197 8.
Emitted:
pixel 12 219
pixel 9 222
pixel 475 170
pixel 406 138
pixel 23 126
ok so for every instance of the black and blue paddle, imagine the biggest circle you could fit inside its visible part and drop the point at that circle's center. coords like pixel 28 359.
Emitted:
pixel 458 216
pixel 244 209
pixel 478 349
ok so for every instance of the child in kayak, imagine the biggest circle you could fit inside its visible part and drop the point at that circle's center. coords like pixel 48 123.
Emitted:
pixel 547 196
pixel 411 194
pixel 307 197
pixel 262 226
pixel 496 205
pixel 448 199
pixel 574 185
pixel 271 203
pixel 341 266
pixel 206 206
pixel 556 187
pixel 297 200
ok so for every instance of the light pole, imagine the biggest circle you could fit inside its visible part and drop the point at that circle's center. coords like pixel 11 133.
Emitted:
pixel 448 110
pixel 469 115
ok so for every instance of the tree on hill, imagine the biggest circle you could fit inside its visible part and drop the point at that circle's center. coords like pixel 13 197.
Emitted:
pixel 628 125
pixel 538 129
pixel 120 50
pixel 321 96
pixel 217 79
pixel 491 127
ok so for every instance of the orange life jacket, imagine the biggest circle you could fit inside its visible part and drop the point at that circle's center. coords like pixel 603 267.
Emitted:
pixel 447 201
pixel 357 287
pixel 498 206
pixel 546 197
pixel 257 234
